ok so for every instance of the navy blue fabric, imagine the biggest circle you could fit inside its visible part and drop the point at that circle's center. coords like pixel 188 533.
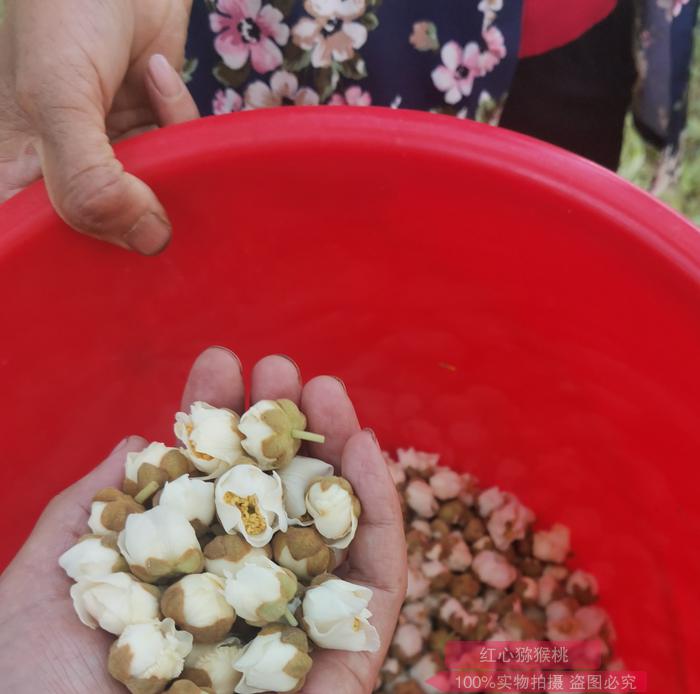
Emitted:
pixel 200 47
pixel 681 48
pixel 400 75
pixel 395 68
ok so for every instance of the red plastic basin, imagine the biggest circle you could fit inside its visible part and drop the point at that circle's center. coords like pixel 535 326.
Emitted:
pixel 529 315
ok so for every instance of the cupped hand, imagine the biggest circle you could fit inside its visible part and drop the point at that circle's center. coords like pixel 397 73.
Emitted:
pixel 75 76
pixel 43 646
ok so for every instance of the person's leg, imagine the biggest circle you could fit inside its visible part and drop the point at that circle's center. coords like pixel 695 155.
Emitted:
pixel 577 96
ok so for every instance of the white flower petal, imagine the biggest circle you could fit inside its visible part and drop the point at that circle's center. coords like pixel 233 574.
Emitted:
pixel 357 33
pixel 446 483
pixel 259 95
pixel 217 662
pixel 494 569
pixel 306 33
pixel 306 97
pixel 453 96
pixel 114 602
pixel 191 497
pixel 226 567
pixel 285 84
pixel 254 585
pixel 250 484
pixel 152 454
pixel 95 520
pixel 255 430
pixel 451 54
pixel 351 9
pixel 157 648
pixel 420 498
pixel 336 616
pixel 295 480
pixel 322 8
pixel 159 533
pixel 332 508
pixel 262 665
pixel 89 558
pixel 211 437
pixel 552 545
pixel 203 600
pixel 489 500
pixel 444 80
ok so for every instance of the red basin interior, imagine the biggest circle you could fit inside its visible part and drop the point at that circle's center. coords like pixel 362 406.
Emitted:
pixel 527 314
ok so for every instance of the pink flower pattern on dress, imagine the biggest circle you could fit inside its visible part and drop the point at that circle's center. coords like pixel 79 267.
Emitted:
pixel 353 96
pixel 226 101
pixel 490 10
pixel 460 67
pixel 495 50
pixel 329 50
pixel 248 29
pixel 283 90
pixel 678 6
pixel 330 33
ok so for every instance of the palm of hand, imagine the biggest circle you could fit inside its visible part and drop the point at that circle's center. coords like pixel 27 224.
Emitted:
pixel 43 646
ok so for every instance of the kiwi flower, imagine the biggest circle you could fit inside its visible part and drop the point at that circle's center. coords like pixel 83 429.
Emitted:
pixel 196 603
pixel 494 569
pixel 261 592
pixel 109 510
pixel 114 601
pixel 273 431
pixel 211 437
pixel 302 551
pixel 335 509
pixel 147 656
pixel 211 665
pixel 160 542
pixel 192 498
pixel 276 660
pixel 509 523
pixel 296 478
pixel 553 544
pixel 92 556
pixel 335 615
pixel 227 554
pixel 154 465
pixel 250 502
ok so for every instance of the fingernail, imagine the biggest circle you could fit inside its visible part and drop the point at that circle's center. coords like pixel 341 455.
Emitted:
pixel 165 78
pixel 342 383
pixel 372 434
pixel 120 445
pixel 150 235
pixel 293 363
pixel 232 353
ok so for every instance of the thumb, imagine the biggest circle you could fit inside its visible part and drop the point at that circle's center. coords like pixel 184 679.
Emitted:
pixel 65 518
pixel 170 99
pixel 70 509
pixel 88 186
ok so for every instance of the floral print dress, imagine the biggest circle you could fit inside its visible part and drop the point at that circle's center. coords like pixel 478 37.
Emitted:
pixel 455 57
pixel 441 55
